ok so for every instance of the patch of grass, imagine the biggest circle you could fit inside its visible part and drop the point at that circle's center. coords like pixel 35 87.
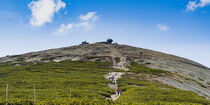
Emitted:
pixel 117 59
pixel 87 84
pixel 48 59
pixel 200 79
pixel 62 101
pixel 179 81
pixel 6 64
pixel 83 78
pixel 85 101
pixel 191 75
pixel 19 59
pixel 154 94
pixel 208 83
pixel 92 57
pixel 146 70
pixel 189 79
pixel 126 83
pixel 151 93
pixel 98 60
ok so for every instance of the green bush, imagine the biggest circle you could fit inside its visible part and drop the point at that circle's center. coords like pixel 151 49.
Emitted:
pixel 146 70
pixel 117 59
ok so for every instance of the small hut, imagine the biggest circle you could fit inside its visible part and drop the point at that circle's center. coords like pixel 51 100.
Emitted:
pixel 84 42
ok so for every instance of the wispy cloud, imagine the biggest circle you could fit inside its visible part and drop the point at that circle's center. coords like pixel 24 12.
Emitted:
pixel 59 5
pixel 43 11
pixel 163 27
pixel 90 16
pixel 193 5
pixel 64 29
pixel 87 22
pixel 85 25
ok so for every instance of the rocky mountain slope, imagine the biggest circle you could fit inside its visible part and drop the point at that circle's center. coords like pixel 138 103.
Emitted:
pixel 187 74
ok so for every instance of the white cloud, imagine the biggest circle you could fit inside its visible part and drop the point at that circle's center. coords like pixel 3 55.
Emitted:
pixel 87 23
pixel 43 11
pixel 90 16
pixel 163 27
pixel 192 5
pixel 59 5
pixel 64 29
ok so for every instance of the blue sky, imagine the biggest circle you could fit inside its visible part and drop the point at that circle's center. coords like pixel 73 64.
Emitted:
pixel 179 27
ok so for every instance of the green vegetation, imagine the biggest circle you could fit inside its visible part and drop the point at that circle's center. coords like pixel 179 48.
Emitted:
pixel 83 83
pixel 128 83
pixel 85 101
pixel 189 79
pixel 200 79
pixel 19 59
pixel 146 70
pixel 191 75
pixel 64 101
pixel 48 59
pixel 145 92
pixel 85 79
pixel 92 57
pixel 179 81
pixel 6 64
pixel 96 58
pixel 117 59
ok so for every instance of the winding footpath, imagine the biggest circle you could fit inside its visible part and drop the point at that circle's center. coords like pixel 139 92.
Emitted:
pixel 114 76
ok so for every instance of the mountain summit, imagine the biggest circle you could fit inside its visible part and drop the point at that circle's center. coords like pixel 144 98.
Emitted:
pixel 186 74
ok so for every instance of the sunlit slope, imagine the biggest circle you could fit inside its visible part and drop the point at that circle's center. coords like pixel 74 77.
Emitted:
pixel 77 82
pixel 84 79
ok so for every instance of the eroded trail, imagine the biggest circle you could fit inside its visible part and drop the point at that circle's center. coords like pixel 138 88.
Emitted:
pixel 121 64
pixel 114 76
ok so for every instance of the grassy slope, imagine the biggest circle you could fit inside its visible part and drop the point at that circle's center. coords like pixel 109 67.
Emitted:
pixel 146 92
pixel 140 91
pixel 85 79
pixel 87 84
pixel 135 68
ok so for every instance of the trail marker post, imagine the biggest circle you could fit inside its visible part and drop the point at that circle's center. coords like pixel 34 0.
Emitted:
pixel 69 94
pixel 57 95
pixel 6 93
pixel 86 95
pixel 34 93
pixel 94 93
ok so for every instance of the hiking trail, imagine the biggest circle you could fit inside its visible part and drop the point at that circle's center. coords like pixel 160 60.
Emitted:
pixel 114 76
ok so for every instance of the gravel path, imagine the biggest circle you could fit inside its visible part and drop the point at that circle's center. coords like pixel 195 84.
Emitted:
pixel 114 76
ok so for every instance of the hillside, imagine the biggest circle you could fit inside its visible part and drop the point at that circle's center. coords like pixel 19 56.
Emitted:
pixel 147 74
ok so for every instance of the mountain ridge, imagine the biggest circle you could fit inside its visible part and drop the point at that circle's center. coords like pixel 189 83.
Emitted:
pixel 195 63
pixel 194 76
